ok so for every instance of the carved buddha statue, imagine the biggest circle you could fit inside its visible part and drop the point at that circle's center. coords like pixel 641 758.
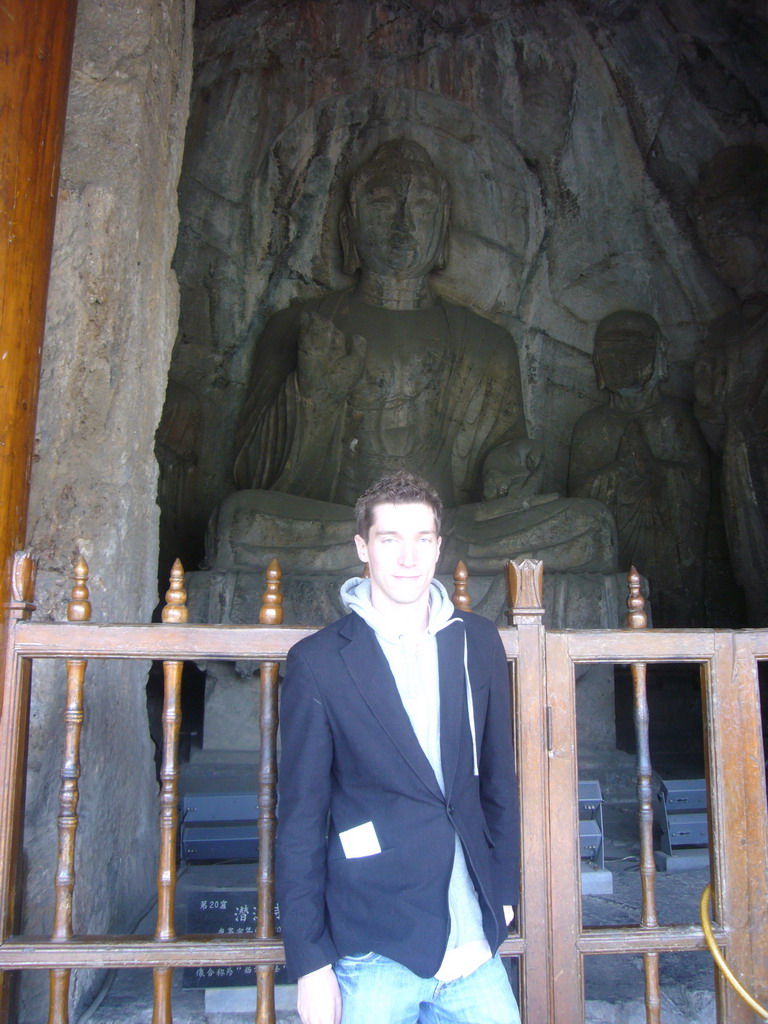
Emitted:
pixel 387 375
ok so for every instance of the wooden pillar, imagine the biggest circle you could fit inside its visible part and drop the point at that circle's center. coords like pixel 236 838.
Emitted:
pixel 35 56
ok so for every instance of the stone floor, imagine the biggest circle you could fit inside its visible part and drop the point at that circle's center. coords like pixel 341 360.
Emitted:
pixel 614 985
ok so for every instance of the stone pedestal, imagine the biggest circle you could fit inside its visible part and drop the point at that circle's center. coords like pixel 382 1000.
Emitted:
pixel 571 600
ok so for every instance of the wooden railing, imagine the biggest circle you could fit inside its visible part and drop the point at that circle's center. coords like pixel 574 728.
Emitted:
pixel 550 942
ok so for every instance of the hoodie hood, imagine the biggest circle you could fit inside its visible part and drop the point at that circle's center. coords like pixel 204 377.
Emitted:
pixel 356 597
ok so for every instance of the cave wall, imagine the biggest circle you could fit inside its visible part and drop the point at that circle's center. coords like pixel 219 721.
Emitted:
pixel 111 322
pixel 573 134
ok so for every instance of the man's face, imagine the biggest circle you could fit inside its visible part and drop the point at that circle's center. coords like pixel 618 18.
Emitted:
pixel 398 221
pixel 401 551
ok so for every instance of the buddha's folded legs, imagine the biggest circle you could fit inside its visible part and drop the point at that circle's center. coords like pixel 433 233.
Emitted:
pixel 307 535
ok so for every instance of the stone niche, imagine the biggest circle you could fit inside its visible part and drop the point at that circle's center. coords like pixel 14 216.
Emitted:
pixel 573 136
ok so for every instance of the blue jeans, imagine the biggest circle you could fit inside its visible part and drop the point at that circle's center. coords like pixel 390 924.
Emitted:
pixel 376 990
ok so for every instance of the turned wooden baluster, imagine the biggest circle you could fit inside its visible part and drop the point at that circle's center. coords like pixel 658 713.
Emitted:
pixel 78 610
pixel 460 596
pixel 175 610
pixel 271 614
pixel 638 619
pixel 14 704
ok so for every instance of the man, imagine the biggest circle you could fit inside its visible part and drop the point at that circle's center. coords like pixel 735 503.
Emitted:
pixel 398 834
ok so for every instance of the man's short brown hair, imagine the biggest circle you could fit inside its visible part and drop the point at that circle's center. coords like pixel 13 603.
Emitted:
pixel 401 488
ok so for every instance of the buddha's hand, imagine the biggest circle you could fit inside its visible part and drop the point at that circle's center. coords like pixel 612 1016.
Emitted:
pixel 513 469
pixel 328 366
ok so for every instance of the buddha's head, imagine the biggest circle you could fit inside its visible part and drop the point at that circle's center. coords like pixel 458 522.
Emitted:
pixel 395 220
pixel 630 352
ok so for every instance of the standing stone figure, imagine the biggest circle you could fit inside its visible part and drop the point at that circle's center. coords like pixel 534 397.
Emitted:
pixel 643 455
pixel 731 375
pixel 386 376
pixel 732 406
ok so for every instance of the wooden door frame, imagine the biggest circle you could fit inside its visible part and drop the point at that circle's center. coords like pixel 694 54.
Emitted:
pixel 737 802
pixel 38 37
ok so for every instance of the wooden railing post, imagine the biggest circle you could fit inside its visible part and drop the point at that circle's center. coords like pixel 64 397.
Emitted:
pixel 78 610
pixel 526 612
pixel 271 614
pixel 638 619
pixel 738 818
pixel 14 718
pixel 175 611
pixel 460 596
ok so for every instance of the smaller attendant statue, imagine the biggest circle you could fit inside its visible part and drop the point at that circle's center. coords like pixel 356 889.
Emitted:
pixel 644 456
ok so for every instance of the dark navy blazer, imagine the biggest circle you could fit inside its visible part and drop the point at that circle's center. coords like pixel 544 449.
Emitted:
pixel 350 756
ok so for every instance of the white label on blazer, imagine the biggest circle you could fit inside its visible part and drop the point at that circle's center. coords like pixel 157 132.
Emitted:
pixel 360 841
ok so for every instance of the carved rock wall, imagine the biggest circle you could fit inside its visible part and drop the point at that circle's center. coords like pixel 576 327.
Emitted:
pixel 573 134
pixel 112 319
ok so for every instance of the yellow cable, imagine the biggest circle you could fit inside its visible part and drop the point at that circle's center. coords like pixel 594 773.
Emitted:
pixel 717 956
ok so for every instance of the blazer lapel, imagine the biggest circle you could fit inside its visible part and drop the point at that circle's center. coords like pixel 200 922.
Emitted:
pixel 370 671
pixel 450 659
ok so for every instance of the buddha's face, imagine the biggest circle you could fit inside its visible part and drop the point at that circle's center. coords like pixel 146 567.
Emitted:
pixel 625 354
pixel 398 220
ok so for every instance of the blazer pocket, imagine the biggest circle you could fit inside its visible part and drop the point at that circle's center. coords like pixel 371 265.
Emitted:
pixel 360 841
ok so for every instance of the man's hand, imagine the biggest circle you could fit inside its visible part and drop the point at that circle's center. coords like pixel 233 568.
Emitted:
pixel 319 997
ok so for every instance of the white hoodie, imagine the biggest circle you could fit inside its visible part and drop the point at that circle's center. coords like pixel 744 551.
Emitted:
pixel 413 662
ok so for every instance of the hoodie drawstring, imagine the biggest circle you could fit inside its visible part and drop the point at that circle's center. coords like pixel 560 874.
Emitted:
pixel 470 708
pixel 356 597
pixel 470 702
